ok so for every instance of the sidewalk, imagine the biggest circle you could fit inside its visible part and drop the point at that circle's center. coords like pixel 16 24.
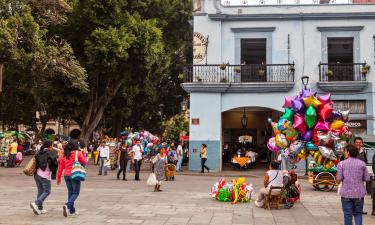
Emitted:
pixel 106 200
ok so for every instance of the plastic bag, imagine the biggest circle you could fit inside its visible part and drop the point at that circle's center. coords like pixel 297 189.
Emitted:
pixel 151 181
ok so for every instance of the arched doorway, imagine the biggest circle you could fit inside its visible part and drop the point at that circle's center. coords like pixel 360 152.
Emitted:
pixel 246 129
pixel 75 133
pixel 49 131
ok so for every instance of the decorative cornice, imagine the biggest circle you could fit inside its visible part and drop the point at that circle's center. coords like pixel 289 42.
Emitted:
pixel 252 29
pixel 293 16
pixel 261 87
pixel 342 86
pixel 200 14
pixel 352 28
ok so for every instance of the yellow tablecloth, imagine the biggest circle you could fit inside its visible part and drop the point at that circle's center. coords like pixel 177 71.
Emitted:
pixel 241 160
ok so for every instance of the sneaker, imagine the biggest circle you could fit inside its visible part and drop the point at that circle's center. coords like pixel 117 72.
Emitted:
pixel 73 214
pixel 43 211
pixel 35 209
pixel 65 211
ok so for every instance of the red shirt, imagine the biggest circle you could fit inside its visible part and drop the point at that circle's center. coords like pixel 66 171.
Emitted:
pixel 67 164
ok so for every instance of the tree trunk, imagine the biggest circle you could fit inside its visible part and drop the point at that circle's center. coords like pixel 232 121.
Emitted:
pixel 95 112
pixel 1 77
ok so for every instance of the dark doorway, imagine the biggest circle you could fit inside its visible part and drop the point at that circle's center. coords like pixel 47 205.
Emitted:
pixel 340 58
pixel 253 59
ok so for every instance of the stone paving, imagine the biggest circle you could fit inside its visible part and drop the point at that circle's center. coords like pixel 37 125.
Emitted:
pixel 105 200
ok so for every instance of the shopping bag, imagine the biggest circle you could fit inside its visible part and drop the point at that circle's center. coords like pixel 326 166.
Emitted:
pixel 151 181
pixel 30 168
pixel 78 171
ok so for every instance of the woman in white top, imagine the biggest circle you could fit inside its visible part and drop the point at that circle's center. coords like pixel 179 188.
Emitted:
pixel 274 178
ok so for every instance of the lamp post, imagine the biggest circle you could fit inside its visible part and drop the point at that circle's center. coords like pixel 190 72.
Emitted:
pixel 305 82
pixel 244 119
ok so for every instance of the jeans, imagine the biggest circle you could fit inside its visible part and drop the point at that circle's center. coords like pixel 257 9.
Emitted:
pixel 101 165
pixel 12 160
pixel 44 189
pixel 74 188
pixel 137 167
pixel 352 207
pixel 123 165
pixel 179 163
pixel 203 161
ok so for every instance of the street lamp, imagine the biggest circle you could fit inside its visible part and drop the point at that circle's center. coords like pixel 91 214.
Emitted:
pixel 305 81
pixel 244 119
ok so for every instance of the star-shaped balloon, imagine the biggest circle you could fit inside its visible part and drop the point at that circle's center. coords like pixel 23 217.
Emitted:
pixel 312 100
pixel 288 101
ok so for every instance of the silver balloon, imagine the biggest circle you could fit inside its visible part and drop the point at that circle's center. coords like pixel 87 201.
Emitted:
pixel 345 114
pixel 340 148
pixel 327 153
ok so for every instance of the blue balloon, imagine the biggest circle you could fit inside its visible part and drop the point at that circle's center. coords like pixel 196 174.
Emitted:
pixel 311 146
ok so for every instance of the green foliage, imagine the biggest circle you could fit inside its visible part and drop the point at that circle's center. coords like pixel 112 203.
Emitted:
pixel 173 126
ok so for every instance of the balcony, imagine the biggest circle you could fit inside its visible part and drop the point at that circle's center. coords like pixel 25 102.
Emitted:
pixel 343 77
pixel 239 78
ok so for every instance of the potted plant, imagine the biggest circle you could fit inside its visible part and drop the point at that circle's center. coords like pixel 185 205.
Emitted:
pixel 329 73
pixel 292 69
pixel 224 66
pixel 261 72
pixel 237 69
pixel 365 69
pixel 199 79
pixel 224 80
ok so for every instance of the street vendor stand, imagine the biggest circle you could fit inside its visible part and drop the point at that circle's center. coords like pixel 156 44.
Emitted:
pixel 113 153
pixel 4 152
pixel 323 179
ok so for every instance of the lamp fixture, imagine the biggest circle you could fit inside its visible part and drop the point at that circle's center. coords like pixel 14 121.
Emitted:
pixel 244 119
pixel 305 81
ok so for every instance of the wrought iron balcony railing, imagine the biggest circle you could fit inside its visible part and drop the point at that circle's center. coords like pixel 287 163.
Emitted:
pixel 343 72
pixel 239 73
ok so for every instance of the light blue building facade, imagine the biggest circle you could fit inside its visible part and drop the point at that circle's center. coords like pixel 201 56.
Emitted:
pixel 248 56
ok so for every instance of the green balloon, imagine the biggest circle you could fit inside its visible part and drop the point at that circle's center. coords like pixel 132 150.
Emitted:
pixel 310 116
pixel 289 115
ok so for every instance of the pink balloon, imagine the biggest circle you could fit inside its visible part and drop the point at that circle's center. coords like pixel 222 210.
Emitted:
pixel 325 110
pixel 271 144
pixel 288 102
pixel 149 145
pixel 299 123
pixel 322 126
pixel 325 98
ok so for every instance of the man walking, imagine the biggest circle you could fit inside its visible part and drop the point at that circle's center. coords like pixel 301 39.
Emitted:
pixel 358 143
pixel 12 153
pixel 352 173
pixel 137 151
pixel 103 156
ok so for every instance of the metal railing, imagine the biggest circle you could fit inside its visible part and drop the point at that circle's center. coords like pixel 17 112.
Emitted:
pixel 239 73
pixel 343 71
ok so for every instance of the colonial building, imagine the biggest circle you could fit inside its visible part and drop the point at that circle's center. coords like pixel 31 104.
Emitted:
pixel 249 54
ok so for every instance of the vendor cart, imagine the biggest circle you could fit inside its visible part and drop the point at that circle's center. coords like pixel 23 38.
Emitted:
pixel 113 155
pixel 323 180
pixel 4 152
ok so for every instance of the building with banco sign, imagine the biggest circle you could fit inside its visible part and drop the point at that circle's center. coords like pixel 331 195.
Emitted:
pixel 248 55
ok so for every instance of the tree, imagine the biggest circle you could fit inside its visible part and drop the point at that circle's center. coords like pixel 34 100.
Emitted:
pixel 123 45
pixel 33 58
pixel 173 127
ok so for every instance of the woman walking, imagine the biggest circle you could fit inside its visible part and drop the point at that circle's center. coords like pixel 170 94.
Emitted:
pixel 204 157
pixel 66 163
pixel 123 161
pixel 160 162
pixel 46 167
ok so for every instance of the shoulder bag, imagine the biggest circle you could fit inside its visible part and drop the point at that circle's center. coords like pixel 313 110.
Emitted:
pixel 78 171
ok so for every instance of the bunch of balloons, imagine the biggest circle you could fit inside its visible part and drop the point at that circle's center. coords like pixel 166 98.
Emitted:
pixel 310 126
pixel 235 191
pixel 147 139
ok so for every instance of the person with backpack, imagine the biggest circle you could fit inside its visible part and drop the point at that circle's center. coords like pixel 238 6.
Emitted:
pixel 70 157
pixel 45 171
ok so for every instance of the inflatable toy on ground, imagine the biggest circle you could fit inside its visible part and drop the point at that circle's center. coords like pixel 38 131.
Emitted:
pixel 235 191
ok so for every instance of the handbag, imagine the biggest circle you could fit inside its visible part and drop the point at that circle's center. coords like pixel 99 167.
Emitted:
pixel 151 181
pixel 78 171
pixel 30 168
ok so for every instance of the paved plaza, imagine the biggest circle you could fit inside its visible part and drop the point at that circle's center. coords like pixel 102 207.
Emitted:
pixel 105 200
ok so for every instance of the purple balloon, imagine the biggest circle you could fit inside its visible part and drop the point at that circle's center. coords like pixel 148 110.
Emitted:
pixel 307 93
pixel 307 136
pixel 271 144
pixel 298 105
